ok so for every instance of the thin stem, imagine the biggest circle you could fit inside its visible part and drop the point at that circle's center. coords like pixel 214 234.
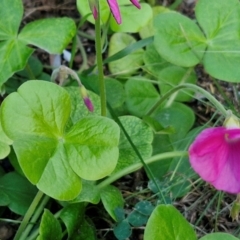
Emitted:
pixel 220 197
pixel 196 88
pixel 83 54
pixel 183 80
pixel 98 47
pixel 35 217
pixel 134 167
pixel 28 215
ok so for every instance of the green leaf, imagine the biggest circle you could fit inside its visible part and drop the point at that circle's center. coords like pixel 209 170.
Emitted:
pixel 141 96
pixel 33 69
pixel 114 89
pixel 178 39
pixel 112 199
pixel 218 236
pixel 133 19
pixel 79 110
pixel 50 228
pixel 166 223
pixel 52 34
pixel 148 30
pixel 4 144
pixel 16 192
pixel 40 112
pixel 171 77
pixel 122 230
pixel 178 116
pixel 9 23
pixel 90 193
pixel 144 207
pixel 72 216
pixel 126 65
pixel 137 219
pixel 115 92
pixel 85 232
pixel 154 63
pixel 14 56
pixel 222 32
pixel 141 135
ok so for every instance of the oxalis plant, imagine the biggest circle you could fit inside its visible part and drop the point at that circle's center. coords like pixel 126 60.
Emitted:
pixel 69 137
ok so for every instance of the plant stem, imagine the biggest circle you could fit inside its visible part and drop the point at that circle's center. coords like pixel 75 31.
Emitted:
pixel 98 47
pixel 183 80
pixel 134 167
pixel 196 88
pixel 28 215
pixel 35 217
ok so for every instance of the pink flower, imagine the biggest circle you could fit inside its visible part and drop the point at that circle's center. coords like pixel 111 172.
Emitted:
pixel 113 5
pixel 215 156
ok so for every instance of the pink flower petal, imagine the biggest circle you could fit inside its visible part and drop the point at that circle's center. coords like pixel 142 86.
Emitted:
pixel 136 3
pixel 215 156
pixel 113 4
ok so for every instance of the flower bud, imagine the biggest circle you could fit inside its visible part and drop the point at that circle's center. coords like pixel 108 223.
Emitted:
pixel 93 7
pixel 86 99
pixel 231 121
pixel 235 209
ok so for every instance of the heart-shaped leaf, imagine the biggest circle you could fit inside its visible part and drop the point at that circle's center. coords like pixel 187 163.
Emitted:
pixel 166 223
pixel 48 150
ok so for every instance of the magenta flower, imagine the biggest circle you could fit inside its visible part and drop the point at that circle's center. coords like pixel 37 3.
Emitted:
pixel 215 156
pixel 113 5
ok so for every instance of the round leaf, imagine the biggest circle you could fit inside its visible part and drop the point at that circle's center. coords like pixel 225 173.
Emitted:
pixel 126 65
pixel 166 223
pixel 178 39
pixel 141 96
pixel 218 236
pixel 123 230
pixel 178 116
